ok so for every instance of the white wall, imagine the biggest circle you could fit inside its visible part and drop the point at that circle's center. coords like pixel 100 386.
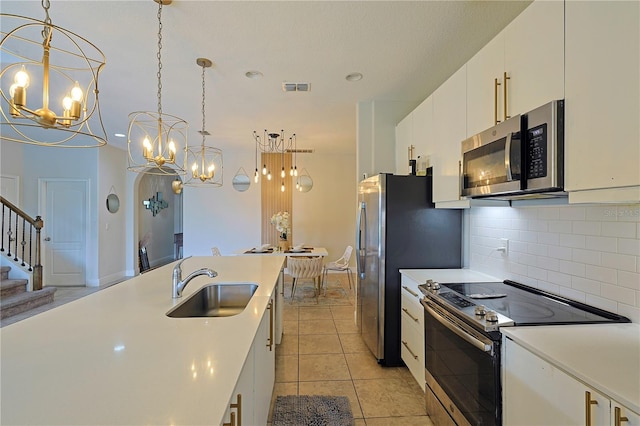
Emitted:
pixel 230 220
pixel 112 164
pixel 589 253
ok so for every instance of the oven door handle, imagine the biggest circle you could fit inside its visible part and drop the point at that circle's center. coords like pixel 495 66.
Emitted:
pixel 458 331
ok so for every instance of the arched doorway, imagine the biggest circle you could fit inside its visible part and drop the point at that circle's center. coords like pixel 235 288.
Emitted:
pixel 158 216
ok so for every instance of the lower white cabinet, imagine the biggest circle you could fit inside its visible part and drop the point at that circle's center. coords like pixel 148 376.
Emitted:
pixel 535 392
pixel 412 330
pixel 251 397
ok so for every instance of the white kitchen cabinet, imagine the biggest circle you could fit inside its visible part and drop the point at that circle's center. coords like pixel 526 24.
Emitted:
pixel 622 416
pixel 536 392
pixel 256 381
pixel 530 50
pixel 265 362
pixel 415 129
pixel 241 407
pixel 412 330
pixel 279 307
pixel 602 135
pixel 404 139
pixel 449 130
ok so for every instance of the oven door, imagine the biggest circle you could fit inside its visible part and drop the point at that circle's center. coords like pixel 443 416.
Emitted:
pixel 462 370
pixel 491 160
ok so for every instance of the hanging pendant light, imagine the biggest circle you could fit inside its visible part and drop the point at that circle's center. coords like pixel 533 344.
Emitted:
pixel 38 56
pixel 156 140
pixel 273 142
pixel 205 161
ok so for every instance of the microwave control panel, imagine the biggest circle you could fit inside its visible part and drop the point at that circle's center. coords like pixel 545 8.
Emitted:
pixel 537 152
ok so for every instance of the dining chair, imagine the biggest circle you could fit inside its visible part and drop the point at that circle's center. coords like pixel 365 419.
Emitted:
pixel 304 267
pixel 215 251
pixel 340 265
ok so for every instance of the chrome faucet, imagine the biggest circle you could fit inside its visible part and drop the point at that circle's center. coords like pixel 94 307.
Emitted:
pixel 178 284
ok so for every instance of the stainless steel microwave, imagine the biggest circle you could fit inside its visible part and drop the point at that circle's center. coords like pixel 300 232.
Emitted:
pixel 522 155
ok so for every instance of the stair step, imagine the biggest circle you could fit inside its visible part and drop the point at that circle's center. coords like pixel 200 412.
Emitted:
pixel 11 287
pixel 16 304
pixel 4 272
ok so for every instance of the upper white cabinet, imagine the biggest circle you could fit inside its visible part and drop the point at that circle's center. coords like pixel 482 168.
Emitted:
pixel 404 139
pixel 530 53
pixel 415 129
pixel 602 134
pixel 449 129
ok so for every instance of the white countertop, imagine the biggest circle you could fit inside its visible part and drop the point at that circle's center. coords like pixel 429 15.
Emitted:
pixel 448 275
pixel 604 356
pixel 115 358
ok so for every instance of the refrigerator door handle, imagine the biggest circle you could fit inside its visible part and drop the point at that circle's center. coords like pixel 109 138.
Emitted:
pixel 362 220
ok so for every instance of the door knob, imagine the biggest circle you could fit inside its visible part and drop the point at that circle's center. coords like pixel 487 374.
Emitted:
pixel 48 239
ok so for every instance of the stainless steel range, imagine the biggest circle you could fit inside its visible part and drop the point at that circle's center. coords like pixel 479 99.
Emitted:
pixel 462 342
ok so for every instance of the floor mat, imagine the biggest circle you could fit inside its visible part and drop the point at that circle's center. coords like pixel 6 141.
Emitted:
pixel 312 410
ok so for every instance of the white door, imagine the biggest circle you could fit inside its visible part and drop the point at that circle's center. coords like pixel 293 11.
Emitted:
pixel 64 232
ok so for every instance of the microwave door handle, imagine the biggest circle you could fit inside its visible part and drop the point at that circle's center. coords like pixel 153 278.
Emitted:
pixel 507 157
pixel 458 331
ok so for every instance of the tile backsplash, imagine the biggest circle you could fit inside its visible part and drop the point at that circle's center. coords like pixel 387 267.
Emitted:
pixel 589 253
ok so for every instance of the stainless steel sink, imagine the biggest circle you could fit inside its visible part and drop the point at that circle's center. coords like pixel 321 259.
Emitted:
pixel 215 300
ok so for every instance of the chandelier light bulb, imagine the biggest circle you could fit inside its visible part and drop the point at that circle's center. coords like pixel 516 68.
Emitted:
pixel 295 171
pixel 282 187
pixel 172 147
pixel 282 172
pixel 264 169
pixel 76 93
pixel 22 78
pixel 291 171
pixel 269 176
pixel 255 176
pixel 67 102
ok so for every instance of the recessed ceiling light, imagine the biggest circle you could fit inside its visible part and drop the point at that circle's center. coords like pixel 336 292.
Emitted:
pixel 119 135
pixel 354 76
pixel 253 74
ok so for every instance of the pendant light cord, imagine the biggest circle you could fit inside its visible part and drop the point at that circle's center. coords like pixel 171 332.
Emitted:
pixel 159 59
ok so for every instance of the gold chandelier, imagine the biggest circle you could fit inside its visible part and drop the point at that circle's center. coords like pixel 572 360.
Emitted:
pixel 156 140
pixel 206 161
pixel 39 57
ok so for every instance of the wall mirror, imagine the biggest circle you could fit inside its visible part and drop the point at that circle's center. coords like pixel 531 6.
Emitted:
pixel 113 203
pixel 241 181
pixel 305 183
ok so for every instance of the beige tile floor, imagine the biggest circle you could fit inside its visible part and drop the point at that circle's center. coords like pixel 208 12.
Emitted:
pixel 322 354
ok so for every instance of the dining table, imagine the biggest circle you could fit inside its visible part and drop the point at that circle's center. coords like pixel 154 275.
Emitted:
pixel 308 251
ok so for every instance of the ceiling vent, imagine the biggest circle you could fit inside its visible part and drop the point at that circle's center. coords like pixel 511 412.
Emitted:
pixel 295 87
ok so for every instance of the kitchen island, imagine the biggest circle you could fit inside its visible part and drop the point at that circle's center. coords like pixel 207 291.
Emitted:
pixel 114 357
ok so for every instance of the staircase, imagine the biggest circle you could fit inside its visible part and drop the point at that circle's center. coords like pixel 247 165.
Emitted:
pixel 14 297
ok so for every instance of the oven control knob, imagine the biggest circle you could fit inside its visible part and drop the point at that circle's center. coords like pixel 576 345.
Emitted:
pixel 429 283
pixel 491 316
pixel 480 310
pixel 435 286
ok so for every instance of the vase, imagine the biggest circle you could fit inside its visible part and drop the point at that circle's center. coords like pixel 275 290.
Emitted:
pixel 283 245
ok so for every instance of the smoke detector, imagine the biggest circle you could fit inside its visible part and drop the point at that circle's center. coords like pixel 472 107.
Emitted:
pixel 295 87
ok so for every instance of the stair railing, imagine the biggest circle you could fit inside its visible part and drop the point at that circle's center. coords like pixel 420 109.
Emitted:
pixel 26 244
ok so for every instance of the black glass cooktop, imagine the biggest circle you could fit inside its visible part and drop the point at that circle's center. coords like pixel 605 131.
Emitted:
pixel 524 305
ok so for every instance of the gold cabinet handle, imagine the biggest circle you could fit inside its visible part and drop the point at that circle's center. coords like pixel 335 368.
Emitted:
pixel 232 415
pixel 459 179
pixel 496 83
pixel 409 349
pixel 406 311
pixel 588 402
pixel 506 77
pixel 618 417
pixel 270 339
pixel 413 293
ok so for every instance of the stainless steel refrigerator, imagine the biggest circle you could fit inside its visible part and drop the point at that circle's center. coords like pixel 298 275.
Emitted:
pixel 398 228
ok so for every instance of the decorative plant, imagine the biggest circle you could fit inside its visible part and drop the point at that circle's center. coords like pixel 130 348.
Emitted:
pixel 281 222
